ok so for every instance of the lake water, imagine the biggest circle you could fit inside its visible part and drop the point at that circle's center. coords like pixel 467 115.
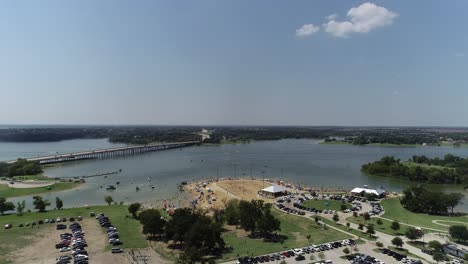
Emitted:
pixel 300 161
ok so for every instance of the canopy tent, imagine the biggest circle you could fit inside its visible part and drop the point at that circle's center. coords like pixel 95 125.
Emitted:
pixel 273 191
pixel 378 192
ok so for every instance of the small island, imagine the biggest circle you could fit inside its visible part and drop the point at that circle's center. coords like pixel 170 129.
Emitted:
pixel 448 170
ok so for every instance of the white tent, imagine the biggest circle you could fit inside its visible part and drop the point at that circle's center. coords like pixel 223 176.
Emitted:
pixel 377 192
pixel 273 191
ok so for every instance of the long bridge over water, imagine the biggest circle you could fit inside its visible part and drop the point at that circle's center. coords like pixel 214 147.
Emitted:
pixel 108 153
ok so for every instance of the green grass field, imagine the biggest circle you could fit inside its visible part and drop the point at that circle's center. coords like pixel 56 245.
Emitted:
pixel 355 232
pixel 384 227
pixel 17 237
pixel 394 211
pixel 296 228
pixel 325 204
pixel 6 191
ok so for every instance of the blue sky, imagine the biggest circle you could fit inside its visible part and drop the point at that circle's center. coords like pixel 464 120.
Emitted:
pixel 234 62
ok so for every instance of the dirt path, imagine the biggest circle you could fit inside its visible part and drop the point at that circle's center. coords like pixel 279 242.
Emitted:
pixel 438 222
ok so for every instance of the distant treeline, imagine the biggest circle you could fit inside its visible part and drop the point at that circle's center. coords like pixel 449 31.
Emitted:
pixel 421 200
pixel 148 134
pixel 450 173
pixel 20 168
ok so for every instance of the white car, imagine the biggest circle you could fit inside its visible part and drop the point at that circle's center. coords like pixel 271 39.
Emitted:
pixel 65 249
pixel 298 251
pixel 113 240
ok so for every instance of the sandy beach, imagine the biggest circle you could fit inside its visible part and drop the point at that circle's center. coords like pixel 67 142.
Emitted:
pixel 27 184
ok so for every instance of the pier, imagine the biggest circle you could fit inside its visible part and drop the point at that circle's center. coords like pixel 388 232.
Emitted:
pixel 107 153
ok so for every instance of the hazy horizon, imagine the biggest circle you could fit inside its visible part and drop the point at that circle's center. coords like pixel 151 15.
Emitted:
pixel 243 63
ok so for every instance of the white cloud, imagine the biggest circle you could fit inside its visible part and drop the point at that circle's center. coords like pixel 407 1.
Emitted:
pixel 459 54
pixel 396 93
pixel 307 30
pixel 332 16
pixel 362 19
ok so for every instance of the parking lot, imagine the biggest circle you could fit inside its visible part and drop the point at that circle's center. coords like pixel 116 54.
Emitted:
pixel 334 255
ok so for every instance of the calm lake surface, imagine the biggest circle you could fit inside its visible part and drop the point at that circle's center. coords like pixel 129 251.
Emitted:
pixel 299 161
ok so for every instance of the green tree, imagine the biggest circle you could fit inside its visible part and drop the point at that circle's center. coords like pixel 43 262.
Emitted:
pixel 232 213
pixel 438 256
pixel 348 224
pixel 413 233
pixel 321 255
pixel 379 221
pixel 255 216
pixel 40 204
pixel 366 216
pixel 5 206
pixel 370 230
pixel 108 199
pixel 317 219
pixel 435 245
pixel 312 257
pixel 20 207
pixel 343 207
pixel 152 222
pixel 395 226
pixel 133 209
pixel 458 232
pixel 397 242
pixel 198 234
pixel 361 226
pixel 346 251
pixel 336 218
pixel 58 203
pixel 267 223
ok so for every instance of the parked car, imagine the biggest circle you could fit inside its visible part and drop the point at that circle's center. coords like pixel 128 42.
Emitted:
pixel 65 249
pixel 117 250
pixel 8 226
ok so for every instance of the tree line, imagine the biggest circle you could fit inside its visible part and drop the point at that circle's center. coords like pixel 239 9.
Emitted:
pixel 422 200
pixel 19 168
pixel 390 166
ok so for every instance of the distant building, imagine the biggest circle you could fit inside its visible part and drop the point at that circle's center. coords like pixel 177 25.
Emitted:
pixel 454 250
pixel 364 190
pixel 273 191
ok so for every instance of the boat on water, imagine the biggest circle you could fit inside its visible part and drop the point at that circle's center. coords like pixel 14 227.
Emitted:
pixel 110 187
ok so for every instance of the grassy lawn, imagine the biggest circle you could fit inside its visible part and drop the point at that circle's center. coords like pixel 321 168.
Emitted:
pixel 6 191
pixel 384 227
pixel 17 237
pixel 325 204
pixel 296 228
pixel 356 232
pixel 394 211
